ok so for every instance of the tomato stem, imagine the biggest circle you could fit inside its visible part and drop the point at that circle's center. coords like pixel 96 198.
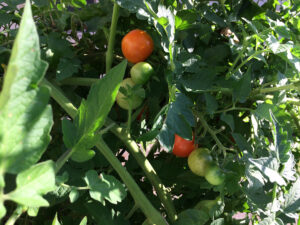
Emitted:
pixel 213 134
pixel 230 73
pixel 16 214
pixel 62 160
pixel 152 214
pixel 112 37
pixel 129 119
pixel 78 81
pixel 131 212
pixel 149 171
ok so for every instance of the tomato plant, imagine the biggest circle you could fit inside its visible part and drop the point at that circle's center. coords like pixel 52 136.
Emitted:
pixel 137 46
pixel 183 147
pixel 226 71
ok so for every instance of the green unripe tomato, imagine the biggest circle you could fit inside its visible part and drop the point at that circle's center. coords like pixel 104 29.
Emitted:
pixel 199 161
pixel 126 102
pixel 214 175
pixel 206 205
pixel 141 72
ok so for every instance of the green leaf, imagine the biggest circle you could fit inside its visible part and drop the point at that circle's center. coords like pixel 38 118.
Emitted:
pixel 214 59
pixel 55 220
pixel 292 198
pixel 282 144
pixel 211 103
pixel 67 67
pixel 213 17
pixel 2 210
pixel 78 3
pixel 33 183
pixel 92 114
pixel 269 167
pixel 242 142
pixel 69 133
pixel 202 80
pixel 74 195
pixel 242 88
pixel 192 217
pixel 219 221
pixel 271 220
pixel 83 221
pixel 5 18
pixel 289 170
pixel 136 6
pixel 227 118
pixel 102 215
pixel 104 187
pixel 33 211
pixel 179 121
pixel 255 188
pixel 25 117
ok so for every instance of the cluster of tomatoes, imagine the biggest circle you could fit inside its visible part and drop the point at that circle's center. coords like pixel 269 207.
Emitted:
pixel 199 160
pixel 137 46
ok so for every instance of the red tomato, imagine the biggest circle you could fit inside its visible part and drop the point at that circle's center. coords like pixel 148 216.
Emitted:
pixel 137 45
pixel 183 147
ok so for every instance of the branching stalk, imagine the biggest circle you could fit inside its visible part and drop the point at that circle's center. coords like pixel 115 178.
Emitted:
pixel 151 213
pixel 16 214
pixel 212 133
pixel 161 190
pixel 78 81
pixel 112 36
pixel 63 159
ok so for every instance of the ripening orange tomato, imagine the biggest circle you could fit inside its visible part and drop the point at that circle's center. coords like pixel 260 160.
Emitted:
pixel 183 147
pixel 137 46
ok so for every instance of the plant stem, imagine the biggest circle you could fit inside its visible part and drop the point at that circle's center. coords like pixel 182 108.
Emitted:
pixel 212 133
pixel 60 98
pixel 112 36
pixel 234 108
pixel 273 89
pixel 151 213
pixel 63 159
pixel 294 116
pixel 16 214
pixel 129 119
pixel 78 81
pixel 77 188
pixel 131 212
pixel 147 168
pixel 228 75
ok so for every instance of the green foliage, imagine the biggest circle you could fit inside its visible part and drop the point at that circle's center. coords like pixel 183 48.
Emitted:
pixel 25 117
pixel 33 183
pixel 226 72
pixel 80 136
